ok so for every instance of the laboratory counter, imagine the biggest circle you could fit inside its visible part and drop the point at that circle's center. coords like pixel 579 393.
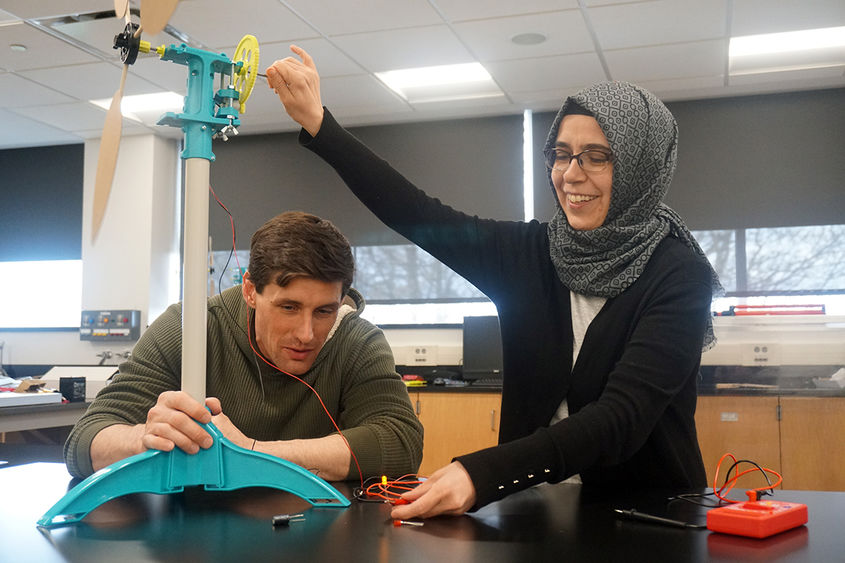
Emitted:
pixel 545 523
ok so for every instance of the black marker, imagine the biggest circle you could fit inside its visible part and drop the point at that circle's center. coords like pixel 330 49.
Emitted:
pixel 643 517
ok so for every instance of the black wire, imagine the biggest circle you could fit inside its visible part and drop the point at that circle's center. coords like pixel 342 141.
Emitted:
pixel 770 491
pixel 360 493
pixel 690 497
pixel 226 265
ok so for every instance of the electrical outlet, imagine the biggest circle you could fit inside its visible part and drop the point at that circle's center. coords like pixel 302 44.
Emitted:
pixel 424 355
pixel 761 354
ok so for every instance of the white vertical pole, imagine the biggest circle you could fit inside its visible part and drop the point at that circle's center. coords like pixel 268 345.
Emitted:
pixel 195 278
pixel 528 165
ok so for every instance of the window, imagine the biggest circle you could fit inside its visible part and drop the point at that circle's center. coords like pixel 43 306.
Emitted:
pixel 784 265
pixel 52 297
pixel 404 285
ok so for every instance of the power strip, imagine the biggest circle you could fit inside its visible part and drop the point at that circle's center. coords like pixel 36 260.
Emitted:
pixel 757 519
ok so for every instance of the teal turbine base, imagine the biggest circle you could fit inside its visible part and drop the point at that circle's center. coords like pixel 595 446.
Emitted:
pixel 222 467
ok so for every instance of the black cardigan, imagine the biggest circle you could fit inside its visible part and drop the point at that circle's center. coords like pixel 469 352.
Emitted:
pixel 632 392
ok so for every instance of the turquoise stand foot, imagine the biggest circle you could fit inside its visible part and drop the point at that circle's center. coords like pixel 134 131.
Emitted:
pixel 222 467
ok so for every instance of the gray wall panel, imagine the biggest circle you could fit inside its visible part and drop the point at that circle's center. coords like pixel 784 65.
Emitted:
pixel 472 164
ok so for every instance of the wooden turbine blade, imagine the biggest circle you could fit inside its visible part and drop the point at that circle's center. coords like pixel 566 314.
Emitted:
pixel 155 14
pixel 121 8
pixel 107 159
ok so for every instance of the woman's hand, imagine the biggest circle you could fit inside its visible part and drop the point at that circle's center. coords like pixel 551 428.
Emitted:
pixel 449 490
pixel 298 85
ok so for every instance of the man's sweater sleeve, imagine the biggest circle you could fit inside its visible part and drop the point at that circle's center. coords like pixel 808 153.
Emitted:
pixel 150 371
pixel 376 415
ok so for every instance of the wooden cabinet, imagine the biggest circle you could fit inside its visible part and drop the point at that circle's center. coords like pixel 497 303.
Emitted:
pixel 747 427
pixel 812 434
pixel 799 437
pixel 455 423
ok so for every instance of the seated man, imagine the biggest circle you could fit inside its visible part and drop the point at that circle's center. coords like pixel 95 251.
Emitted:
pixel 294 320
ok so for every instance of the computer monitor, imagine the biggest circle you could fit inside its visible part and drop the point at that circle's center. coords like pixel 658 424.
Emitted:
pixel 482 349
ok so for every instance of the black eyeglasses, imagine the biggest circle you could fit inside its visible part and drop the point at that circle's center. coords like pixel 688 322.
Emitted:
pixel 590 160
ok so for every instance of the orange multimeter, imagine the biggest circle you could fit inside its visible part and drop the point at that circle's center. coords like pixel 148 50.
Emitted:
pixel 757 519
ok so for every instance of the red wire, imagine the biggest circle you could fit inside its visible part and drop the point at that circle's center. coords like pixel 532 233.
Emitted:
pixel 322 404
pixel 271 364
pixel 731 482
pixel 385 489
pixel 231 224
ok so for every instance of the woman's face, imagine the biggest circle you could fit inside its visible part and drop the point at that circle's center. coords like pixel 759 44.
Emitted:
pixel 584 196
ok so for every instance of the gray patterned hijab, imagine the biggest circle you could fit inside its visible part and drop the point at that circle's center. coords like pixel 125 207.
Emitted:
pixel 643 136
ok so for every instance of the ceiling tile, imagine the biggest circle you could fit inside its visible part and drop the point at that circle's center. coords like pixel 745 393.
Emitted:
pixel 405 48
pixel 335 18
pixel 658 22
pixel 682 88
pixel 458 10
pixel 70 117
pixel 545 100
pixel 362 90
pixel 130 129
pixel 807 74
pixel 218 23
pixel 330 60
pixel 42 50
pixel 549 73
pixel 683 60
pixel 676 47
pixel 16 92
pixel 20 131
pixel 489 40
pixel 591 3
pixel 28 9
pixel 6 17
pixel 89 81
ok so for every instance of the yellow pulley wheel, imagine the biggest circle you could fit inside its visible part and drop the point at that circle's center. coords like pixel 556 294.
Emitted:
pixel 244 80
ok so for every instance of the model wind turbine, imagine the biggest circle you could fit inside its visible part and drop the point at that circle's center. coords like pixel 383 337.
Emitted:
pixel 206 114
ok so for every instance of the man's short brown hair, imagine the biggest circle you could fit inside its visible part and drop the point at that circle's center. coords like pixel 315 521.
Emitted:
pixel 296 244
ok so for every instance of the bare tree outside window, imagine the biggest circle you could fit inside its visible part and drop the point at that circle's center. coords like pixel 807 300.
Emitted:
pixel 796 258
pixel 773 262
pixel 406 273
pixel 720 248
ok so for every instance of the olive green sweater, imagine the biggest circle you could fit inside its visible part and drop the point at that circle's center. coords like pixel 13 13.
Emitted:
pixel 354 375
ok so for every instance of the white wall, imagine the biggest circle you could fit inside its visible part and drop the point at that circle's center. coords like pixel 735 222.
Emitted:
pixel 131 264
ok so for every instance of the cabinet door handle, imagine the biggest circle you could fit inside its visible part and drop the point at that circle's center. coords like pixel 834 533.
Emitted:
pixel 418 407
pixel 493 420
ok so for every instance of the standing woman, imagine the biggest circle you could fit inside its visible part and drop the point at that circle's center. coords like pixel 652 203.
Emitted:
pixel 604 311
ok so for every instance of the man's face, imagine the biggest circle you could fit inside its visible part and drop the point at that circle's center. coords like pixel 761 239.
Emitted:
pixel 293 322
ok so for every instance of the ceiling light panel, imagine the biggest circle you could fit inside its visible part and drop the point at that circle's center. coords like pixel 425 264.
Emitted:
pixel 441 83
pixel 787 51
